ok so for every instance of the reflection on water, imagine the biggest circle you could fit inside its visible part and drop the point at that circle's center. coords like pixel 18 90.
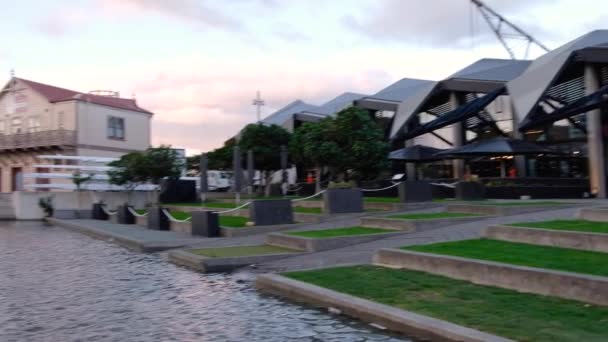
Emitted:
pixel 57 285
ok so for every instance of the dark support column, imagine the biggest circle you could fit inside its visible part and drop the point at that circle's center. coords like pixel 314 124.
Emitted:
pixel 204 186
pixel 595 141
pixel 520 161
pixel 410 168
pixel 459 137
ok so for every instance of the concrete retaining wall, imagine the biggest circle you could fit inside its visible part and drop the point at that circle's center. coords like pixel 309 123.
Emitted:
pixel 141 221
pixel 317 245
pixel 586 288
pixel 394 319
pixel 499 210
pixel 593 214
pixel 207 264
pixel 549 237
pixel 254 230
pixel 415 225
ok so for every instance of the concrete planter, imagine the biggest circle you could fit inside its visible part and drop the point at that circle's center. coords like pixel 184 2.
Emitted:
pixel 316 245
pixel 157 220
pixel 343 201
pixel 307 218
pixel 586 288
pixel 596 242
pixel 415 191
pixel 470 191
pixel 271 212
pixel 497 210
pixel 415 225
pixel 254 230
pixel 206 264
pixel 409 323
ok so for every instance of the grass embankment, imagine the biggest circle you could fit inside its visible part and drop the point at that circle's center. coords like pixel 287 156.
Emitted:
pixel 304 210
pixel 225 221
pixel 572 225
pixel 338 232
pixel 522 203
pixel 522 254
pixel 381 199
pixel 237 251
pixel 432 216
pixel 519 316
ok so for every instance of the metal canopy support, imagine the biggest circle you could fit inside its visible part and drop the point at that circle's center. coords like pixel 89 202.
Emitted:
pixel 595 143
pixel 410 168
pixel 459 136
pixel 521 164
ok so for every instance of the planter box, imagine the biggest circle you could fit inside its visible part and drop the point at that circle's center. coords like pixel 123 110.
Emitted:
pixel 271 212
pixel 415 191
pixel 316 245
pixel 470 191
pixel 157 220
pixel 586 288
pixel 343 201
pixel 208 264
pixel 415 225
pixel 550 237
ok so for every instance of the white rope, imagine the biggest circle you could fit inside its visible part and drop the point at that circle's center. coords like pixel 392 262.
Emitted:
pixel 171 218
pixel 135 213
pixel 108 212
pixel 294 190
pixel 233 209
pixel 309 197
pixel 447 185
pixel 388 187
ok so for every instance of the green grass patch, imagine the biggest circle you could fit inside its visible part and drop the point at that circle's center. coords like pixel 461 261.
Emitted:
pixel 519 316
pixel 180 215
pixel 381 199
pixel 305 210
pixel 337 232
pixel 522 254
pixel 237 251
pixel 141 211
pixel 523 203
pixel 225 221
pixel 432 216
pixel 573 225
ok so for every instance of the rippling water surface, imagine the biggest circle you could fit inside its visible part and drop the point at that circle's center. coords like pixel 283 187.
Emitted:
pixel 57 285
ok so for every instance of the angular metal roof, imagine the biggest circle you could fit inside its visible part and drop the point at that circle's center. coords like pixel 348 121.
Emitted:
pixel 527 89
pixel 400 90
pixel 335 105
pixel 281 116
pixel 483 76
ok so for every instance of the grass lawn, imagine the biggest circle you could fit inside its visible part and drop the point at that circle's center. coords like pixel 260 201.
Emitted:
pixel 381 199
pixel 337 232
pixel 224 252
pixel 141 211
pixel 519 316
pixel 304 210
pixel 574 225
pixel 556 258
pixel 225 221
pixel 522 203
pixel 432 216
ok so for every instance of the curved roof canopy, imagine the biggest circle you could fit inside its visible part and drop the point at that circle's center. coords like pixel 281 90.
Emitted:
pixel 390 97
pixel 528 89
pixel 484 76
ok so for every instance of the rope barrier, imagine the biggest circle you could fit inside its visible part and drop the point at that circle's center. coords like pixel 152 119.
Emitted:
pixel 294 190
pixel 388 187
pixel 233 209
pixel 447 185
pixel 108 212
pixel 309 197
pixel 171 218
pixel 135 213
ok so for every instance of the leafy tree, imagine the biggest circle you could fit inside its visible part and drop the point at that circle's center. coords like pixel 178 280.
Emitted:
pixel 265 142
pixel 79 179
pixel 218 159
pixel 129 171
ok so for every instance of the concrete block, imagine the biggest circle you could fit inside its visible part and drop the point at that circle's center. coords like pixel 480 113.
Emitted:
pixel 271 212
pixel 206 264
pixel 415 191
pixel 124 215
pixel 316 245
pixel 470 191
pixel 98 213
pixel 157 220
pixel 343 201
pixel 593 214
pixel 569 285
pixel 205 223
pixel 596 242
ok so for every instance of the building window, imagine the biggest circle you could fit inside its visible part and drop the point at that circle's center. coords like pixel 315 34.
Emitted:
pixel 16 125
pixel 116 128
pixel 34 124
pixel 60 120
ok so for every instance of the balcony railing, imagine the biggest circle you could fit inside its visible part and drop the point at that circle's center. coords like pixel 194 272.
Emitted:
pixel 60 137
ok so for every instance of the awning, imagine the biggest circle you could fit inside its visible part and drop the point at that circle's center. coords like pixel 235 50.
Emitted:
pixel 464 112
pixel 582 105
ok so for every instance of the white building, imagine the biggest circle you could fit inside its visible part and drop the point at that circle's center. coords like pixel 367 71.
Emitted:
pixel 37 119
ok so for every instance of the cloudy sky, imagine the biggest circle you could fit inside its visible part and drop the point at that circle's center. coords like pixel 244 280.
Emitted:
pixel 198 63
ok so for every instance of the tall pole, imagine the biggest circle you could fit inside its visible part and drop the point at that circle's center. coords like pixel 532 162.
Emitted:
pixel 459 137
pixel 204 162
pixel 238 172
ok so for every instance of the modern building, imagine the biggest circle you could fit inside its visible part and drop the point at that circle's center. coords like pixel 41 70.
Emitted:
pixel 40 119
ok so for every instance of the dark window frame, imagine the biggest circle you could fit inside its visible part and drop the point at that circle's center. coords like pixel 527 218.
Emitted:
pixel 115 129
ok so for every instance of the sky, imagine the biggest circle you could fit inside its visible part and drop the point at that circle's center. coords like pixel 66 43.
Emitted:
pixel 197 64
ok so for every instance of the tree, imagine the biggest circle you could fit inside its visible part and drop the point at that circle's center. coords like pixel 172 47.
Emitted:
pixel 128 171
pixel 79 179
pixel 265 142
pixel 218 159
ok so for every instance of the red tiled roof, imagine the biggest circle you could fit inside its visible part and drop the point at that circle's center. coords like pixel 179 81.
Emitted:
pixel 56 94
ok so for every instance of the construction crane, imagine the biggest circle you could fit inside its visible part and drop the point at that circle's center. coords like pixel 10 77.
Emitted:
pixel 500 25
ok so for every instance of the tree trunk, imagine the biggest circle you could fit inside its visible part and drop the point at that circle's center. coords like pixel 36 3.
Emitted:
pixel 319 172
pixel 268 178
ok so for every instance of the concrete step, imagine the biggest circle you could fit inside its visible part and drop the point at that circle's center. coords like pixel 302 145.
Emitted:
pixel 593 214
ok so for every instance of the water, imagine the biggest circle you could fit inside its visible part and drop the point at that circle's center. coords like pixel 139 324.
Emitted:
pixel 57 285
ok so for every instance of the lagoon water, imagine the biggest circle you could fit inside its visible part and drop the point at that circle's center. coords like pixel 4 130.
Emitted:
pixel 57 285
